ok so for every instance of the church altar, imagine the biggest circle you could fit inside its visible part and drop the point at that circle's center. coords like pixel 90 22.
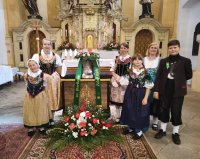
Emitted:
pixel 87 86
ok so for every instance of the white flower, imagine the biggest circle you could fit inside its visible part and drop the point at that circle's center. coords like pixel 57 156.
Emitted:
pixel 105 128
pixel 66 124
pixel 73 118
pixel 75 134
pixel 89 124
pixel 82 114
pixel 65 131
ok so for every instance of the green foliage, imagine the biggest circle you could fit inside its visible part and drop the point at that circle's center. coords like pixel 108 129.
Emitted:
pixel 87 56
pixel 86 126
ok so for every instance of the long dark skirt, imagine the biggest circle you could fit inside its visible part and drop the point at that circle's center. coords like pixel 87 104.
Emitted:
pixel 134 114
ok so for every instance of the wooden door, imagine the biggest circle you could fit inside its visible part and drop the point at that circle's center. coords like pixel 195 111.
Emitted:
pixel 142 41
pixel 35 43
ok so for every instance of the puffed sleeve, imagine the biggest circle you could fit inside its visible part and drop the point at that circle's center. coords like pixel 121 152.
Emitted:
pixel 113 67
pixel 148 82
pixel 58 61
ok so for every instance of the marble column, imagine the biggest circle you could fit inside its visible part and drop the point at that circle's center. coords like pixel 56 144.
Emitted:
pixel 196 73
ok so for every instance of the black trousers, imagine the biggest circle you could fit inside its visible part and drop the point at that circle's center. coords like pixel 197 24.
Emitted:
pixel 171 107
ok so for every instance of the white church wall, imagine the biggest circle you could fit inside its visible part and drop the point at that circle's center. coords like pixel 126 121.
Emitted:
pixel 188 18
pixel 3 50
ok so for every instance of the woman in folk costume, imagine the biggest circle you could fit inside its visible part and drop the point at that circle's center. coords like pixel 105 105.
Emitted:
pixel 135 110
pixel 151 62
pixel 49 62
pixel 36 106
pixel 119 81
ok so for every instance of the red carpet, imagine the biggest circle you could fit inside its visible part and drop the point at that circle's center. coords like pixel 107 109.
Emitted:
pixel 129 149
pixel 13 139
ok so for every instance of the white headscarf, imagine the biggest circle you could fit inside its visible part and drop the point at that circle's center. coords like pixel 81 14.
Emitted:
pixel 34 74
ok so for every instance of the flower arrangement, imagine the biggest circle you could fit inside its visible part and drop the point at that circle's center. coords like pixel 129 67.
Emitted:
pixel 66 45
pixel 86 126
pixel 87 55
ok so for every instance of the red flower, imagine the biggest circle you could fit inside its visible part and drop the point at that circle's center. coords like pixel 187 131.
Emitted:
pixel 82 124
pixel 93 132
pixel 103 122
pixel 82 108
pixel 108 125
pixel 66 118
pixel 77 115
pixel 72 126
pixel 94 120
pixel 83 133
pixel 81 52
pixel 87 114
pixel 90 51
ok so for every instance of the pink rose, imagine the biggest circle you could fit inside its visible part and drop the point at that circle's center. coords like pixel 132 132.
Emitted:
pixel 87 114
pixel 66 119
pixel 82 108
pixel 77 115
pixel 82 124
pixel 72 126
pixel 93 132
pixel 94 120
pixel 83 133
pixel 108 125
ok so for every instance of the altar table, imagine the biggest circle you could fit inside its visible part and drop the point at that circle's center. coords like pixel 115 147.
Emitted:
pixel 87 89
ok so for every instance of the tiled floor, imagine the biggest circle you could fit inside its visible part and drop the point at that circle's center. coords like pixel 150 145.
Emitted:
pixel 11 99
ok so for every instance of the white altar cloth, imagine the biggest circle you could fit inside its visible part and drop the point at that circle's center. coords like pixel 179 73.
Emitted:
pixel 6 74
pixel 74 63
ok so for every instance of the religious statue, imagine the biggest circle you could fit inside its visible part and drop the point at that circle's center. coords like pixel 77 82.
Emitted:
pixel 31 6
pixel 87 69
pixel 71 5
pixel 146 9
pixel 108 4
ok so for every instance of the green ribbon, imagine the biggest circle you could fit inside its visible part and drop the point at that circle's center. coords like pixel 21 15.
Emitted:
pixel 97 83
pixel 77 84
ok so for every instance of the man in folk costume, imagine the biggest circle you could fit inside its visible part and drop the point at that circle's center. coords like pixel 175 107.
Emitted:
pixel 49 63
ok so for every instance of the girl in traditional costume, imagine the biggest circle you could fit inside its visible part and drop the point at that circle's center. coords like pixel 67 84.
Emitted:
pixel 49 62
pixel 119 81
pixel 37 100
pixel 135 110
pixel 151 62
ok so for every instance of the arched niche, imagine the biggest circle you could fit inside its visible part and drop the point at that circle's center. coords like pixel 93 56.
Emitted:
pixel 160 35
pixel 23 34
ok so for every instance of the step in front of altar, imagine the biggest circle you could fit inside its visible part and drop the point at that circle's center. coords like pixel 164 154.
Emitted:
pixel 87 89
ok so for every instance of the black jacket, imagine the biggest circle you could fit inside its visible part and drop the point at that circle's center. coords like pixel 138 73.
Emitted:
pixel 182 73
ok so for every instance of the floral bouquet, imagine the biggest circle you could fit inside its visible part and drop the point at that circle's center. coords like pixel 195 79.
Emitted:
pixel 86 126
pixel 87 55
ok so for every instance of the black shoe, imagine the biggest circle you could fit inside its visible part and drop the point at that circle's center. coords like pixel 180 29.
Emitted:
pixel 136 136
pixel 127 131
pixel 176 139
pixel 154 127
pixel 160 134
pixel 31 133
pixel 43 132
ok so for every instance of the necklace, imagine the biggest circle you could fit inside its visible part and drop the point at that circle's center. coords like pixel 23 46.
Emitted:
pixel 46 59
